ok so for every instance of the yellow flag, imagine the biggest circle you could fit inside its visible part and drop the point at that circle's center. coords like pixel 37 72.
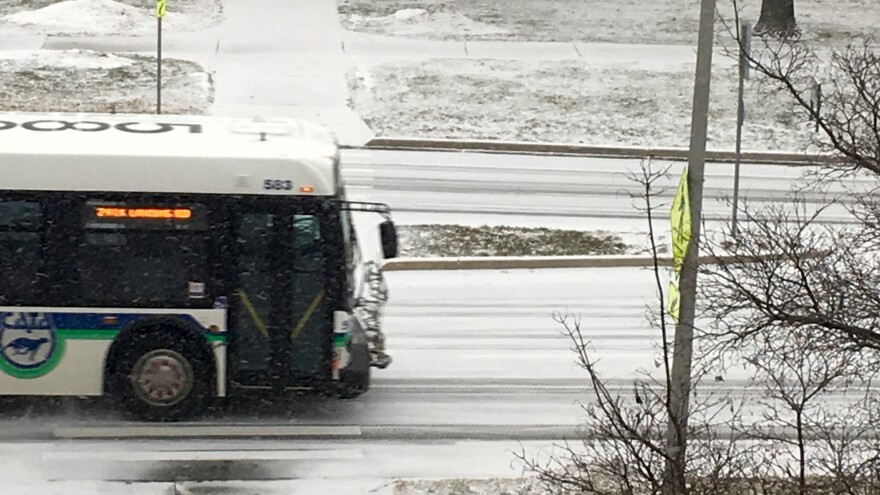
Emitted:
pixel 680 218
pixel 673 301
pixel 160 9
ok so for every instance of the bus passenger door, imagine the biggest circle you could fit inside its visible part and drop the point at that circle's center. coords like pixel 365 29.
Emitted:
pixel 259 319
pixel 311 321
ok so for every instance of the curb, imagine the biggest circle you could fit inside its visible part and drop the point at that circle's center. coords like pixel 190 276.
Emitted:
pixel 676 154
pixel 545 262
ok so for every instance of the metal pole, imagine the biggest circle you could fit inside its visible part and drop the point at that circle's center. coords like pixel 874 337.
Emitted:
pixel 680 388
pixel 159 70
pixel 745 36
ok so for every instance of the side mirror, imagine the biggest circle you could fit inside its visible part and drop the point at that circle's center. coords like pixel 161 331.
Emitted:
pixel 388 234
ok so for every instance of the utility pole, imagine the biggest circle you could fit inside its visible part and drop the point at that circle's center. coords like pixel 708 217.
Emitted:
pixel 160 13
pixel 745 41
pixel 680 388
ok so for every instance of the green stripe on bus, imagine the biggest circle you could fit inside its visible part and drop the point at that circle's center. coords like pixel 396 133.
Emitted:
pixel 87 334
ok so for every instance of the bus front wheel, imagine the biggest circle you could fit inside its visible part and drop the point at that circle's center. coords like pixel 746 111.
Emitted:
pixel 354 380
pixel 161 380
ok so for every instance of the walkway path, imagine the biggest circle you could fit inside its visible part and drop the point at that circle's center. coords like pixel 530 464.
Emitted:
pixel 291 58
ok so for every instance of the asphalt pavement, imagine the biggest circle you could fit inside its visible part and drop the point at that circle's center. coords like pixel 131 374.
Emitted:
pixel 569 192
pixel 481 369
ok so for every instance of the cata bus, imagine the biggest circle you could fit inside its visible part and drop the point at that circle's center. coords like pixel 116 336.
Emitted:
pixel 166 261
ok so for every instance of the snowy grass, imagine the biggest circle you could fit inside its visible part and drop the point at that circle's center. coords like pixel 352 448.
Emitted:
pixel 458 240
pixel 494 486
pixel 107 17
pixel 86 81
pixel 566 101
pixel 616 21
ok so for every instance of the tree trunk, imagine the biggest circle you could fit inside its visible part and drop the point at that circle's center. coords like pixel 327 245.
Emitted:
pixel 777 18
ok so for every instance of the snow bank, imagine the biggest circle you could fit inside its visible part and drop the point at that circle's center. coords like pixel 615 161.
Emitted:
pixel 419 22
pixel 84 16
pixel 491 486
pixel 80 59
pixel 109 17
pixel 409 14
pixel 65 81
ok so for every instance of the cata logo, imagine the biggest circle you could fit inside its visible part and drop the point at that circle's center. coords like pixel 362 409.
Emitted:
pixel 28 344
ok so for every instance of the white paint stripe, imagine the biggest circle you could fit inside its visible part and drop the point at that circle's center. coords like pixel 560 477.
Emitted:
pixel 195 455
pixel 350 155
pixel 352 171
pixel 133 431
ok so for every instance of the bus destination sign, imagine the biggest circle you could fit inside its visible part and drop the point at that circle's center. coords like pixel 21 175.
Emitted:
pixel 109 216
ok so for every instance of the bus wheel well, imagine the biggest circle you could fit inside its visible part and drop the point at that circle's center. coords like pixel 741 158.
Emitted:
pixel 175 332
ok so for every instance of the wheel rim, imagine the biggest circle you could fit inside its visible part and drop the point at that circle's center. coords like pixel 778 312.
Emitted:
pixel 162 377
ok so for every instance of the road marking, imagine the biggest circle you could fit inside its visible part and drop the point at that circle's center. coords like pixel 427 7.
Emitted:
pixel 138 431
pixel 358 170
pixel 351 155
pixel 196 455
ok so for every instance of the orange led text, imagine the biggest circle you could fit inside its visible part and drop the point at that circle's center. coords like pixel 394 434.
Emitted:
pixel 154 213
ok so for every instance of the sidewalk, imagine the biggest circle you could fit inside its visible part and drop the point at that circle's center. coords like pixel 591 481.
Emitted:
pixel 291 57
pixel 282 58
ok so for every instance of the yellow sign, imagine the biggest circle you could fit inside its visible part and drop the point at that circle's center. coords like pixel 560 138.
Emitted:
pixel 680 218
pixel 673 301
pixel 160 8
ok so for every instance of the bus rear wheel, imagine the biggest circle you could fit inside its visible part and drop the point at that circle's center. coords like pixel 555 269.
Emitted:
pixel 162 382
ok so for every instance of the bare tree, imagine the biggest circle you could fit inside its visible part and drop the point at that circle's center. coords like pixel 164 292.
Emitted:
pixel 795 438
pixel 838 89
pixel 834 297
pixel 623 449
pixel 794 299
pixel 827 282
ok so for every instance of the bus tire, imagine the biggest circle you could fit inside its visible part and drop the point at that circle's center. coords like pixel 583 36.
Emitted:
pixel 163 376
pixel 354 380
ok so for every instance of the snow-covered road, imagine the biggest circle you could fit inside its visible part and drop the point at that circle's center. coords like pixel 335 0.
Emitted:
pixel 480 369
pixel 559 191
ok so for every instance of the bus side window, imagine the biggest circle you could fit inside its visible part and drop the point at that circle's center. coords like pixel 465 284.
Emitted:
pixel 21 250
pixel 308 248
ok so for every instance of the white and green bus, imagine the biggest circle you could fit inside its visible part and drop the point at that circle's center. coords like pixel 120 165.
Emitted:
pixel 166 261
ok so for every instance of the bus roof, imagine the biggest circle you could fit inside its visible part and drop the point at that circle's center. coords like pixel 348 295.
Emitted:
pixel 166 154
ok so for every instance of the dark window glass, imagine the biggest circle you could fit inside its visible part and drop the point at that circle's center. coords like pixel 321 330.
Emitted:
pixel 308 248
pixel 143 267
pixel 310 309
pixel 25 215
pixel 255 276
pixel 21 246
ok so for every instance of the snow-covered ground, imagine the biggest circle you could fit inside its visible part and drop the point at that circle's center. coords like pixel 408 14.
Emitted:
pixel 459 240
pixel 107 17
pixel 619 21
pixel 87 81
pixel 571 101
pixel 418 22
pixel 490 486
pixel 494 486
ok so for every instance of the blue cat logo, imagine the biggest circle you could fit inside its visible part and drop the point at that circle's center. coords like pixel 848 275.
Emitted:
pixel 27 340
